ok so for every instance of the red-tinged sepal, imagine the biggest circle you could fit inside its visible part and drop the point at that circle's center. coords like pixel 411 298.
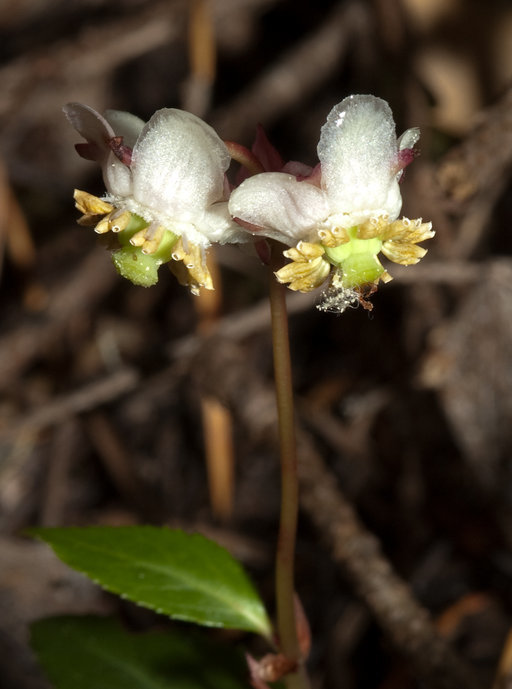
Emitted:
pixel 251 165
pixel 303 628
pixel 266 152
pixel 262 248
pixel 120 150
pixel 89 151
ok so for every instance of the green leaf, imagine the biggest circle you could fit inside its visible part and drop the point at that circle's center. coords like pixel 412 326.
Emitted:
pixel 97 653
pixel 185 576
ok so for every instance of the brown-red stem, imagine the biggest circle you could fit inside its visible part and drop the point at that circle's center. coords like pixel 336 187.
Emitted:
pixel 245 157
pixel 285 558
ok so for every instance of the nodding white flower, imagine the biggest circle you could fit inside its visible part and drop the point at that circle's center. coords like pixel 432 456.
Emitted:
pixel 339 220
pixel 165 190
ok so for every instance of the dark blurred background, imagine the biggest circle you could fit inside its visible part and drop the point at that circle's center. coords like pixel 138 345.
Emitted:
pixel 103 384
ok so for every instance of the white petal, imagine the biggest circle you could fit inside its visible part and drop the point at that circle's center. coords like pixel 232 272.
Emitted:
pixel 358 153
pixel 178 165
pixel 90 124
pixel 126 125
pixel 409 138
pixel 220 228
pixel 286 209
pixel 97 130
pixel 117 176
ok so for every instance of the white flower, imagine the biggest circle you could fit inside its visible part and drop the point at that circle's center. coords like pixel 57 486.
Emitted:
pixel 352 215
pixel 167 174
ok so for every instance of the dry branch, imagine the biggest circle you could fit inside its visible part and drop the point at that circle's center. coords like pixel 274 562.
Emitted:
pixel 291 79
pixel 75 294
pixel 353 547
pixel 390 599
pixel 483 158
pixel 87 398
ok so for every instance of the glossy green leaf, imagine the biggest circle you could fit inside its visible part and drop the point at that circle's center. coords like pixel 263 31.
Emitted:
pixel 185 576
pixel 98 653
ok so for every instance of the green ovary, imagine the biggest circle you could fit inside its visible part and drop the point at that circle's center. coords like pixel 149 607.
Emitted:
pixel 130 262
pixel 357 259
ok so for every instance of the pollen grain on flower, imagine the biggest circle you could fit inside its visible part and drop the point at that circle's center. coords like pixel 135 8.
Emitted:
pixel 336 298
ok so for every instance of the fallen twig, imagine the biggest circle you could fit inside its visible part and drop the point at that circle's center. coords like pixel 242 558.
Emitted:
pixel 85 399
pixel 353 547
pixel 289 80
pixel 79 292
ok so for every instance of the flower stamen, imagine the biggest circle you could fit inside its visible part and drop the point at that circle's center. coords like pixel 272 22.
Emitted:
pixel 308 268
pixel 334 236
pixel 189 266
pixel 119 220
pixel 400 239
pixel 149 238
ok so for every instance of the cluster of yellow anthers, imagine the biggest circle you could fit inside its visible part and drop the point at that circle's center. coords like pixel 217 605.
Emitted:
pixel 308 268
pixel 99 214
pixel 155 242
pixel 336 223
pixel 399 238
pixel 354 252
pixel 165 192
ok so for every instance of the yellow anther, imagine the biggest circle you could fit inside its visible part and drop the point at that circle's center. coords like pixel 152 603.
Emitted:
pixel 333 237
pixel 139 238
pixel 119 221
pixel 91 205
pixel 308 268
pixel 400 239
pixel 103 226
pixel 189 267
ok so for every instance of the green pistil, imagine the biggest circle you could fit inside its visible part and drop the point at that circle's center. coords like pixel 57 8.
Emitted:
pixel 132 264
pixel 135 225
pixel 357 259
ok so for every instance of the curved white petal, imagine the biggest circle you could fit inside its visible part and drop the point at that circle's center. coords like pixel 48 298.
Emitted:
pixel 126 125
pixel 409 138
pixel 98 130
pixel 178 165
pixel 117 176
pixel 358 153
pixel 286 209
pixel 91 125
pixel 220 228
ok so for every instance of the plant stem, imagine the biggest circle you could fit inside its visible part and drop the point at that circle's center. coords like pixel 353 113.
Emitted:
pixel 285 590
